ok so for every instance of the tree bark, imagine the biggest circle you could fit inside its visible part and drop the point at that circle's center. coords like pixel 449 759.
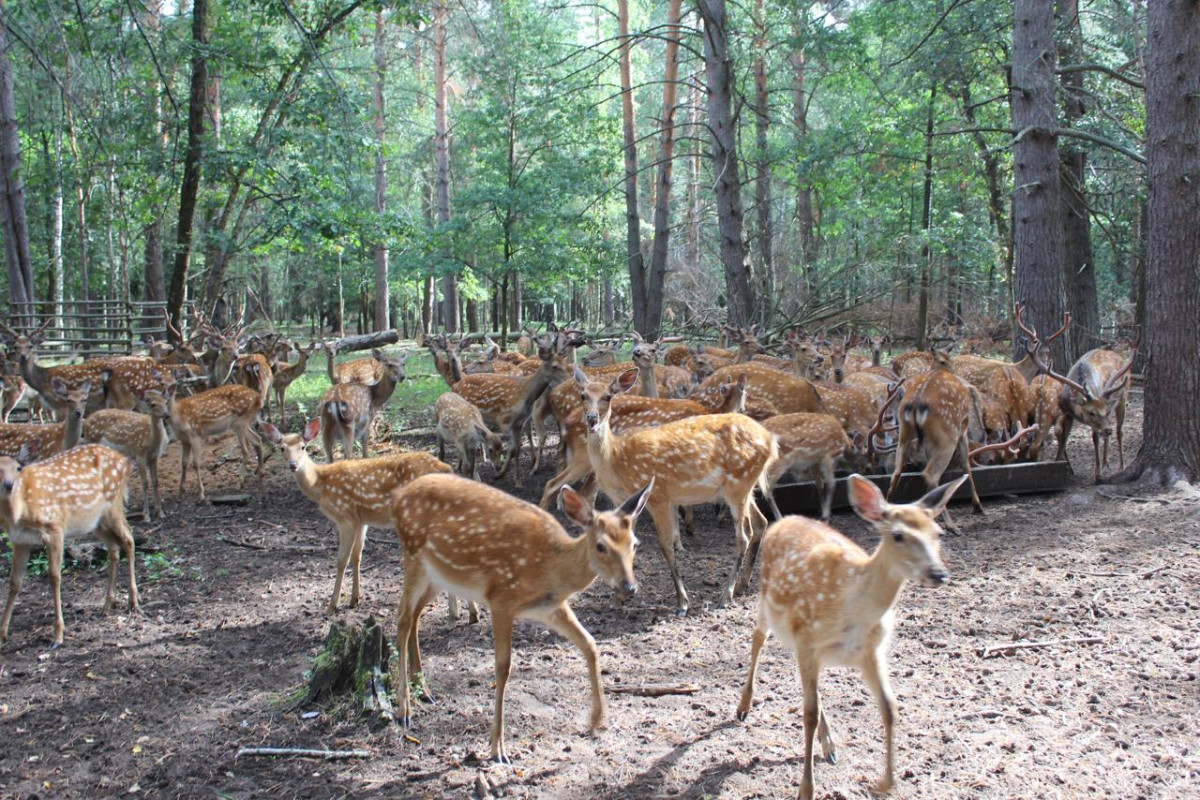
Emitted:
pixel 155 283
pixel 441 138
pixel 926 224
pixel 1171 431
pixel 190 188
pixel 633 220
pixel 382 301
pixel 762 169
pixel 662 195
pixel 1037 222
pixel 12 192
pixel 718 63
pixel 804 207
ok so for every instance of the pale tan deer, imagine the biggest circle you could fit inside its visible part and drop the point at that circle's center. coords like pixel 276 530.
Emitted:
pixel 287 374
pixel 469 539
pixel 70 496
pixel 811 443
pixel 353 494
pixel 603 355
pixel 209 414
pixel 142 437
pixel 695 460
pixel 348 409
pixel 936 417
pixel 832 604
pixel 44 441
pixel 461 425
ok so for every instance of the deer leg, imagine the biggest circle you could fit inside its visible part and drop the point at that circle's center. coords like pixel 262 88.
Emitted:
pixel 964 456
pixel 20 558
pixel 753 524
pixel 360 539
pixel 54 549
pixel 901 458
pixel 562 620
pixel 197 450
pixel 416 584
pixel 114 562
pixel 327 438
pixel 572 473
pixel 124 534
pixel 143 469
pixel 876 677
pixel 825 486
pixel 152 468
pixel 666 527
pixel 347 533
pixel 183 463
pixel 1065 423
pixel 812 717
pixel 240 435
pixel 414 644
pixel 502 628
pixel 761 634
pixel 1096 454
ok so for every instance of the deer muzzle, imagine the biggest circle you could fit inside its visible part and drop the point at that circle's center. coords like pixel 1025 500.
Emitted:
pixel 626 590
pixel 592 419
pixel 936 577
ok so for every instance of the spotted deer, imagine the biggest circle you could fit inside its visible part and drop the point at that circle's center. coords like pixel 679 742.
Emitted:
pixel 843 361
pixel 936 416
pixel 347 409
pixel 461 425
pixel 810 443
pixel 476 541
pixel 253 370
pixel 141 437
pixel 39 378
pixel 73 495
pixel 1045 392
pixel 353 494
pixel 695 460
pixel 286 374
pixel 44 441
pixel 832 604
pixel 366 371
pixel 912 363
pixel 603 355
pixel 209 414
pixel 789 394
pixel 125 382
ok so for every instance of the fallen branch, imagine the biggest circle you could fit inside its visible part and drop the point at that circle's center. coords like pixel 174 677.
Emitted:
pixel 328 755
pixel 238 543
pixel 654 689
pixel 1120 498
pixel 997 649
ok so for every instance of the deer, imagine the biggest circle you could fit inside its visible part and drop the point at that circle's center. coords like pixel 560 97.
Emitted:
pixel 977 370
pixel 843 361
pixel 253 370
pixel 460 424
pixel 182 350
pixel 833 604
pixel 604 355
pixel 447 357
pixel 694 460
pixel 44 441
pixel 1045 392
pixel 347 409
pixel 496 549
pixel 807 442
pixel 12 388
pixel 789 394
pixel 286 374
pixel 936 415
pixel 141 437
pixel 1094 392
pixel 353 494
pixel 487 361
pixel 124 383
pixel 366 371
pixel 75 494
pixel 854 408
pixel 211 413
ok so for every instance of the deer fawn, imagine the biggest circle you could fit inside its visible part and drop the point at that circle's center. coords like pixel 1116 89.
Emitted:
pixel 44 441
pixel 936 415
pixel 254 372
pixel 142 437
pixel 347 409
pixel 693 460
pixel 353 494
pixel 67 497
pixel 1046 392
pixel 460 424
pixel 809 442
pixel 286 374
pixel 831 603
pixel 211 413
pixel 473 540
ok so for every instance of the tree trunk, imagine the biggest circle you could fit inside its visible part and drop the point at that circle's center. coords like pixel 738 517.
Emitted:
pixel 382 301
pixel 189 190
pixel 1079 273
pixel 693 199
pixel 57 274
pixel 12 190
pixel 662 197
pixel 633 219
pixel 718 62
pixel 155 284
pixel 762 169
pixel 1037 223
pixel 81 189
pixel 926 223
pixel 1171 431
pixel 804 207
pixel 441 138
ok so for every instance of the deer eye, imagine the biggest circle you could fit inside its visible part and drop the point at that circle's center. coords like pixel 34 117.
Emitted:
pixel 898 536
pixel 601 547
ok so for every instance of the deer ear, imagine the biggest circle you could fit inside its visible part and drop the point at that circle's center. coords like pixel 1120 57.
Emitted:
pixel 575 506
pixel 26 456
pixel 866 498
pixel 272 433
pixel 311 429
pixel 581 377
pixel 626 380
pixel 634 505
pixel 934 503
pixel 85 387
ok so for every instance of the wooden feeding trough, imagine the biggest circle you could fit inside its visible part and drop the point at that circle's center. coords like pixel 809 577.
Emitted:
pixel 992 481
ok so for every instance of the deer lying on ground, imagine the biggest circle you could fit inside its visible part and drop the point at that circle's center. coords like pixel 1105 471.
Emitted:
pixel 141 437
pixel 209 414
pixel 347 409
pixel 460 424
pixel 695 460
pixel 353 494
pixel 516 558
pixel 70 496
pixel 831 603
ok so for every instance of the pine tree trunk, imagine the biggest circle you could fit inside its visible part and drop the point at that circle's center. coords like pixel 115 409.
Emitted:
pixel 441 139
pixel 926 223
pixel 155 288
pixel 633 220
pixel 666 164
pixel 382 300
pixel 762 169
pixel 804 207
pixel 12 188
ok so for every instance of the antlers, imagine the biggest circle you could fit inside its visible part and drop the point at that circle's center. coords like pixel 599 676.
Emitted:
pixel 1034 346
pixel 1010 444
pixel 878 427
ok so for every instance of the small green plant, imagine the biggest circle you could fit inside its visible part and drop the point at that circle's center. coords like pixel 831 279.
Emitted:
pixel 156 566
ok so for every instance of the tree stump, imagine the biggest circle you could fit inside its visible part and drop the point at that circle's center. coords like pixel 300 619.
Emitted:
pixel 354 663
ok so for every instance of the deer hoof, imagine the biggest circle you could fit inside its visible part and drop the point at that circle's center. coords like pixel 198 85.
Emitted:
pixel 742 714
pixel 428 698
pixel 501 758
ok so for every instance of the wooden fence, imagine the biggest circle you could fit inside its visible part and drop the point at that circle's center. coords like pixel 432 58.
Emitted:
pixel 83 327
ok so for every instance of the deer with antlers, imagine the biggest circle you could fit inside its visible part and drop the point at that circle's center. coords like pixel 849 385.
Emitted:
pixel 1094 392
pixel 141 437
pixel 516 558
pixel 348 409
pixel 75 494
pixel 832 604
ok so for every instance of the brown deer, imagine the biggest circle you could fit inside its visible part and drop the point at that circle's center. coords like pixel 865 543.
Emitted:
pixel 212 413
pixel 843 361
pixel 286 374
pixel 473 540
pixel 44 441
pixel 461 425
pixel 253 370
pixel 936 415
pixel 831 603
pixel 353 494
pixel 141 437
pixel 1045 392
pixel 347 409
pixel 12 387
pixel 125 382
pixel 366 371
pixel 70 496
pixel 694 460
pixel 604 355
pixel 977 370
pixel 789 394
pixel 807 442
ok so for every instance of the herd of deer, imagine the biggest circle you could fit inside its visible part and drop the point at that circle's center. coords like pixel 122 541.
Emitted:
pixel 670 429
